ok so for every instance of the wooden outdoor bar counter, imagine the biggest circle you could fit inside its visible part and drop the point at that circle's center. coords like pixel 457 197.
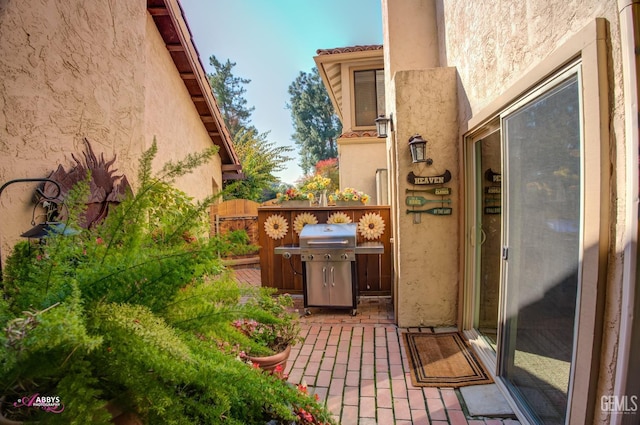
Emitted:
pixel 373 270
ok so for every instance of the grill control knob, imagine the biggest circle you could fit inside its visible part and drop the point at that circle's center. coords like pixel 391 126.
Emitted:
pixel 310 257
pixel 286 255
pixel 327 256
pixel 344 256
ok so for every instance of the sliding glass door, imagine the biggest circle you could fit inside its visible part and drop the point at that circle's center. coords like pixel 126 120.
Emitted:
pixel 541 252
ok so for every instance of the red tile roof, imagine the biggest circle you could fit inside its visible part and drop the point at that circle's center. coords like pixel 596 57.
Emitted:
pixel 349 49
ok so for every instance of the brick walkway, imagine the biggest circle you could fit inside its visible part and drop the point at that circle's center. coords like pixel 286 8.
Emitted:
pixel 358 366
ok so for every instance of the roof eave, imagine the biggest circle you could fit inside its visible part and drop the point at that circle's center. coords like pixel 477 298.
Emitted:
pixel 172 25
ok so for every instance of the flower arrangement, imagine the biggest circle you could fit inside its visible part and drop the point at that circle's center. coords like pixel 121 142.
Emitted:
pixel 349 194
pixel 292 194
pixel 317 184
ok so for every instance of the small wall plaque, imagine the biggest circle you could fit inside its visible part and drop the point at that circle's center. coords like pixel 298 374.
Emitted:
pixel 442 191
pixel 421 200
pixel 429 180
pixel 433 211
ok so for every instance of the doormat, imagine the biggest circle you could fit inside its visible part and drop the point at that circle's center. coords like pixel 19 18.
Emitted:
pixel 443 360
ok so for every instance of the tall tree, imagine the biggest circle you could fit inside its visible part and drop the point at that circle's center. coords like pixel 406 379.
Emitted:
pixel 259 157
pixel 316 126
pixel 229 91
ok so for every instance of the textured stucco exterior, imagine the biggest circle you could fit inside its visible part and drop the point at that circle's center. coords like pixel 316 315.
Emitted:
pixel 495 47
pixel 426 259
pixel 362 157
pixel 98 70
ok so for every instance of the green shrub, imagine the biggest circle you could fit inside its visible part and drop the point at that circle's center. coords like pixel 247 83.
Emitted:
pixel 136 312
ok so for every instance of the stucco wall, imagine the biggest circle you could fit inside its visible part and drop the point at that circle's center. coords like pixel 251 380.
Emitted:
pixel 362 157
pixel 426 260
pixel 77 69
pixel 492 45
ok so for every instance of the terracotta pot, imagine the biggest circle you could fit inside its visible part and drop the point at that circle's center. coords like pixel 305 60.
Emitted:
pixel 269 363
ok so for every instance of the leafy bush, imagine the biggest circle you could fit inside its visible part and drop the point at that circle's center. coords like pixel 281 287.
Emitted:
pixel 134 313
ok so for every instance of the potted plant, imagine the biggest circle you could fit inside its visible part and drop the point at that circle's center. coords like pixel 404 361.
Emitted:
pixel 273 332
pixel 293 197
pixel 348 196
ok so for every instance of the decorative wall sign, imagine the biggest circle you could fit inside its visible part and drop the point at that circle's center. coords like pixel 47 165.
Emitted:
pixel 421 200
pixel 436 190
pixel 433 211
pixel 302 220
pixel 493 189
pixel 493 210
pixel 492 176
pixel 276 226
pixel 429 180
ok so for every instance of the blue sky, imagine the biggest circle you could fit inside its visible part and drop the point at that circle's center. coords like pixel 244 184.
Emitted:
pixel 271 41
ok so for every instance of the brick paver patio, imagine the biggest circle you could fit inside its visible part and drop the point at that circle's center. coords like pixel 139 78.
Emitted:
pixel 358 366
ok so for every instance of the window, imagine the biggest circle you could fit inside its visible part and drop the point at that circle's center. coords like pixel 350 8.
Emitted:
pixel 369 96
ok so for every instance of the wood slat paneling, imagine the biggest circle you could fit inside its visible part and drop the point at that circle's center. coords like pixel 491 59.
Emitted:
pixel 373 271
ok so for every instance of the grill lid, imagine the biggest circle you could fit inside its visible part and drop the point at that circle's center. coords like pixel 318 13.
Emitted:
pixel 341 235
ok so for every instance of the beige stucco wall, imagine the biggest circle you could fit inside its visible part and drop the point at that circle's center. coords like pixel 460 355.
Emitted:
pixel 77 69
pixel 360 158
pixel 426 257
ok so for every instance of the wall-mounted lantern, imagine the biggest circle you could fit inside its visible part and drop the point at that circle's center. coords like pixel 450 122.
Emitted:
pixel 382 126
pixel 418 147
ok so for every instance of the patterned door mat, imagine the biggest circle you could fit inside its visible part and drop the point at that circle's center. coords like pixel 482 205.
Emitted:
pixel 443 360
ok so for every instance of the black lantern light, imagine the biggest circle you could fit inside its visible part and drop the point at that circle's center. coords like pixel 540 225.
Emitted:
pixel 382 126
pixel 418 148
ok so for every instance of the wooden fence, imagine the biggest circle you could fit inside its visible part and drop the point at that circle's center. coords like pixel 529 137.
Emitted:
pixel 373 271
pixel 236 214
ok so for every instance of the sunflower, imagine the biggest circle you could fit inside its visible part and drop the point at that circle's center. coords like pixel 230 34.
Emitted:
pixel 276 226
pixel 303 219
pixel 371 226
pixel 338 217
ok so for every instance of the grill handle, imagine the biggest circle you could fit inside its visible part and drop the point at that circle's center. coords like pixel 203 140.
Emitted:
pixel 324 276
pixel 343 242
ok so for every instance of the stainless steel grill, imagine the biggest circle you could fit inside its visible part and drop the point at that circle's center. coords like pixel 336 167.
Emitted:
pixel 328 253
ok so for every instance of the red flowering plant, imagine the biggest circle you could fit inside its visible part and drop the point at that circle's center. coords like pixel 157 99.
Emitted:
pixel 272 324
